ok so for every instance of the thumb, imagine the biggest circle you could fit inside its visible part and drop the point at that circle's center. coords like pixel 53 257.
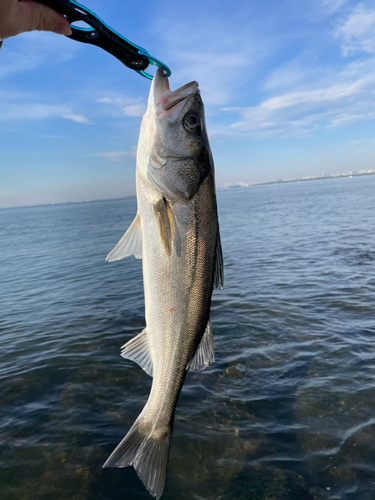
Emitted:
pixel 32 16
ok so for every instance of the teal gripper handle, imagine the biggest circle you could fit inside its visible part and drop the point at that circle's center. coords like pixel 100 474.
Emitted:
pixel 101 35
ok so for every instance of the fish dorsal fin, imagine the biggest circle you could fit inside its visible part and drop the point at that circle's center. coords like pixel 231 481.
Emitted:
pixel 163 215
pixel 137 350
pixel 219 264
pixel 130 243
pixel 205 353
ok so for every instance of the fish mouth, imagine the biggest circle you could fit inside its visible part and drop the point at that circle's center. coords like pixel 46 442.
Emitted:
pixel 165 98
pixel 180 95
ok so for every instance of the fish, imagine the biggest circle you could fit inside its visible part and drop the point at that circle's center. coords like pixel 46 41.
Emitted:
pixel 176 233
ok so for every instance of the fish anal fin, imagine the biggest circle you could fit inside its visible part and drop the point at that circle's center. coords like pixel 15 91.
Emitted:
pixel 163 216
pixel 219 264
pixel 205 353
pixel 130 243
pixel 137 350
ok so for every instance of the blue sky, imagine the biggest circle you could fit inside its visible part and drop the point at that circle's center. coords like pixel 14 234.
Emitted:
pixel 288 88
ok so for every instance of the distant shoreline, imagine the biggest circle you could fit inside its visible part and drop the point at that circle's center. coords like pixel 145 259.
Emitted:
pixel 220 188
pixel 302 179
pixel 68 202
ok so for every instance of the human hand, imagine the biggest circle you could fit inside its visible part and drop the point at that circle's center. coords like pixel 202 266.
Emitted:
pixel 18 16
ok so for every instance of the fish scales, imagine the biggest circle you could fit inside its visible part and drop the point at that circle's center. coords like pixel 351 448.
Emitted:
pixel 176 232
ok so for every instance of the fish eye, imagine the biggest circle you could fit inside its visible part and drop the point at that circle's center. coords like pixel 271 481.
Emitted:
pixel 192 121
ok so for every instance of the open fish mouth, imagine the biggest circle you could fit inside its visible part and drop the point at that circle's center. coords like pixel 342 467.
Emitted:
pixel 167 99
pixel 180 94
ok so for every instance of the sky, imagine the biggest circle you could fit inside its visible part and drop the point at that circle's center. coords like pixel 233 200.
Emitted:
pixel 288 87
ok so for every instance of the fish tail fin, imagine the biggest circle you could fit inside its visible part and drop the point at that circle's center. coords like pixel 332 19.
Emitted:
pixel 147 450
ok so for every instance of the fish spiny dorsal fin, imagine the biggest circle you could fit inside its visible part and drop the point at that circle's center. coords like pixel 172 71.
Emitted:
pixel 219 264
pixel 163 218
pixel 130 243
pixel 205 353
pixel 137 350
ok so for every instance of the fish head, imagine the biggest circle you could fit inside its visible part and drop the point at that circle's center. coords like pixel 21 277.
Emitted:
pixel 174 153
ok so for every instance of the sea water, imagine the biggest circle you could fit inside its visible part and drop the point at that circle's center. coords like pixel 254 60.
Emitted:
pixel 286 412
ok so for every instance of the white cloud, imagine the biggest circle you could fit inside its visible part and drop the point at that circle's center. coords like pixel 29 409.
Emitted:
pixel 110 100
pixel 128 106
pixel 13 63
pixel 331 6
pixel 310 98
pixel 288 75
pixel 33 111
pixel 296 101
pixel 76 118
pixel 344 119
pixel 301 73
pixel 137 110
pixel 356 33
pixel 118 155
pixel 299 114
pixel 363 142
pixel 359 69
pixel 27 51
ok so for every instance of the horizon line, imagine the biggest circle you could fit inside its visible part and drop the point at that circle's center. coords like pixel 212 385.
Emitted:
pixel 67 202
pixel 239 184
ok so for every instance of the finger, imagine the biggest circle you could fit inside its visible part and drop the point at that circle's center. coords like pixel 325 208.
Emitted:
pixel 32 15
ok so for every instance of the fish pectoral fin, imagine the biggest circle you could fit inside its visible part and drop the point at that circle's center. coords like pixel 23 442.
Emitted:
pixel 130 243
pixel 163 216
pixel 205 353
pixel 137 349
pixel 219 264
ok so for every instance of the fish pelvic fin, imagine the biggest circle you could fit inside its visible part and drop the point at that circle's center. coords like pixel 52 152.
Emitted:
pixel 147 451
pixel 163 216
pixel 205 353
pixel 137 349
pixel 130 243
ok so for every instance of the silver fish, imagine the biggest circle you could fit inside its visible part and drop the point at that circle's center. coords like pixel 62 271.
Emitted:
pixel 176 233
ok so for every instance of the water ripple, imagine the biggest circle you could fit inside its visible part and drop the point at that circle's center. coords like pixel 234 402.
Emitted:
pixel 286 411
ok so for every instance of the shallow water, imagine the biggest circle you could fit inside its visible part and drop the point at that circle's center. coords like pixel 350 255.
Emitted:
pixel 287 411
